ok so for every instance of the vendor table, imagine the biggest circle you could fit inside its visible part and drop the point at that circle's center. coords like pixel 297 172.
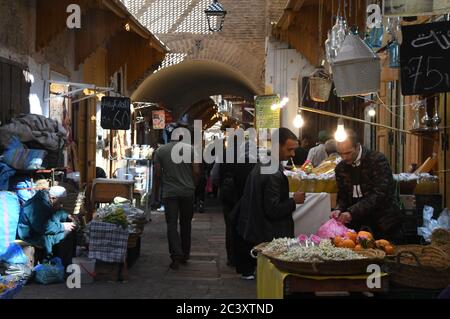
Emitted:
pixel 272 283
pixel 310 215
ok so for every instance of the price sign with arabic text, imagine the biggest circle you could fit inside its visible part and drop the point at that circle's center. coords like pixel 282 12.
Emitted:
pixel 425 58
pixel 115 113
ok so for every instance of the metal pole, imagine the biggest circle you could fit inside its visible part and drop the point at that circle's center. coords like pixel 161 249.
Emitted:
pixel 308 109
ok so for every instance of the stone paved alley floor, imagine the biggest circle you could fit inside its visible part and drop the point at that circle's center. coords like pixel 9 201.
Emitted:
pixel 205 276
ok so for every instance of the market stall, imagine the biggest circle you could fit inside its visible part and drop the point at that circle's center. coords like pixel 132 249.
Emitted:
pixel 338 261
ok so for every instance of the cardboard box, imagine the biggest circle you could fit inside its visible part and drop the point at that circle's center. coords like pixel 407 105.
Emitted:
pixel 110 271
pixel 409 201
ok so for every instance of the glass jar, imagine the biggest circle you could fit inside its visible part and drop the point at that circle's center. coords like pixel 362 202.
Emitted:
pixel 135 151
pixel 145 151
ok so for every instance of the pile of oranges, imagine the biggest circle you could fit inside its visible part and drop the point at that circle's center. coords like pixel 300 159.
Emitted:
pixel 362 240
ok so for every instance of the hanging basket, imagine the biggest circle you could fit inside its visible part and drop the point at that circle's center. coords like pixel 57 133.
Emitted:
pixel 319 87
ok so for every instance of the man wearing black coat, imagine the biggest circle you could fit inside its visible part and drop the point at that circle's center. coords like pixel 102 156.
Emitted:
pixel 265 209
pixel 366 195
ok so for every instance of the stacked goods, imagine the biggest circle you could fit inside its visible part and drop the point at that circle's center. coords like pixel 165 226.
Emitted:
pixel 311 179
pixel 417 183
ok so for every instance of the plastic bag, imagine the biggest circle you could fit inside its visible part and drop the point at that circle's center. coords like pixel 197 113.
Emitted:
pixel 430 224
pixel 19 272
pixel 331 229
pixel 9 287
pixel 14 255
pixel 49 273
pixel 9 218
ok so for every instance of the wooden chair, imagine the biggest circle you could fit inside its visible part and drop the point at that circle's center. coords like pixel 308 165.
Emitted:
pixel 104 190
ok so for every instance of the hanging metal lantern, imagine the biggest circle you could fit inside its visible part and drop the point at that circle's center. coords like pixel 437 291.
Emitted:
pixel 356 69
pixel 215 13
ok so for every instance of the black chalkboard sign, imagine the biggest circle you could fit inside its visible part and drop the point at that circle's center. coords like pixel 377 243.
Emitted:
pixel 115 113
pixel 425 58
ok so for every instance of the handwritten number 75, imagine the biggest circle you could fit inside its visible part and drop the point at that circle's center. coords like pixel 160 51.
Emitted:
pixel 433 76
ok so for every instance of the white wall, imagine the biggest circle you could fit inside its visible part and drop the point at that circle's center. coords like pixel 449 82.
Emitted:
pixel 284 69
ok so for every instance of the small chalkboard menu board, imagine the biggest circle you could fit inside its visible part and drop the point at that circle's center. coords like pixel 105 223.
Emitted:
pixel 425 58
pixel 115 113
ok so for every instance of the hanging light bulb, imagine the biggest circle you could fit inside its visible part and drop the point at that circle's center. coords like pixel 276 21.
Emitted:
pixel 284 101
pixel 298 121
pixel 340 134
pixel 372 112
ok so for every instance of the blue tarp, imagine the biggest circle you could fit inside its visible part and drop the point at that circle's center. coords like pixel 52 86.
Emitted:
pixel 9 219
pixel 5 173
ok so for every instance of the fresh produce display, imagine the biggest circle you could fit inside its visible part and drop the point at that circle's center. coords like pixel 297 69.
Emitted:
pixel 362 240
pixel 278 245
pixel 309 250
pixel 114 214
pixel 325 251
pixel 307 167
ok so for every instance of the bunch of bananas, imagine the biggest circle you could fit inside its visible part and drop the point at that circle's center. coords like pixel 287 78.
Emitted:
pixel 117 217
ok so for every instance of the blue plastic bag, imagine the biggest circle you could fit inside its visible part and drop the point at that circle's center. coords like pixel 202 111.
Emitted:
pixel 25 190
pixel 19 157
pixel 14 255
pixel 9 218
pixel 49 273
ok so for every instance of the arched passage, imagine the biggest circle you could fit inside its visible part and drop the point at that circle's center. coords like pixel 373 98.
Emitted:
pixel 180 86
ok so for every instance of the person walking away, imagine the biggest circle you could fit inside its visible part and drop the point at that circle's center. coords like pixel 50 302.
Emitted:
pixel 178 181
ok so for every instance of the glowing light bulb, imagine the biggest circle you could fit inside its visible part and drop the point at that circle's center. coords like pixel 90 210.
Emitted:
pixel 274 107
pixel 372 112
pixel 340 134
pixel 284 101
pixel 298 121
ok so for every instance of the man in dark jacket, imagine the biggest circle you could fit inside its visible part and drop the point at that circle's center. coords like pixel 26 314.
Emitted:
pixel 366 195
pixel 265 209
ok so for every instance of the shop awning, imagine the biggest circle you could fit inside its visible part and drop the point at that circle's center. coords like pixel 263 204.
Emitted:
pixel 104 23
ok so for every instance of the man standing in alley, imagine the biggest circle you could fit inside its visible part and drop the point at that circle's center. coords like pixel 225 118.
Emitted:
pixel 179 181
pixel 318 154
pixel 264 211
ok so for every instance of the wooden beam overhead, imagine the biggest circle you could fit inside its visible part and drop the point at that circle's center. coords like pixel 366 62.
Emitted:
pixel 51 18
pixel 98 26
pixel 298 5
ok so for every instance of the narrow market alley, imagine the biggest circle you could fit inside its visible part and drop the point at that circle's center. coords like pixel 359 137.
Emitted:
pixel 206 275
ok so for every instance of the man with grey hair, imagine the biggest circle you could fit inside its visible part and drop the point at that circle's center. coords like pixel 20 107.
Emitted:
pixel 317 154
pixel 331 148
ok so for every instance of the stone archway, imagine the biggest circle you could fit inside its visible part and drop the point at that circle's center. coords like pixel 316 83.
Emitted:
pixel 180 86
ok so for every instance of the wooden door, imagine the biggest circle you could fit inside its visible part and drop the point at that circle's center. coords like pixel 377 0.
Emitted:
pixel 14 91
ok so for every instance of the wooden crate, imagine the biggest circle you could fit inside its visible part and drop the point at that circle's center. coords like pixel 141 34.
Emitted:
pixel 110 271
